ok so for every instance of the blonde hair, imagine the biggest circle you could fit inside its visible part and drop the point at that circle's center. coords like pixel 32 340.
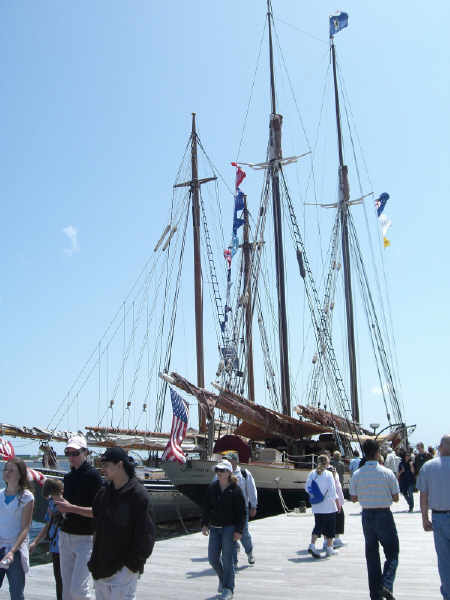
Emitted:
pixel 322 462
pixel 337 455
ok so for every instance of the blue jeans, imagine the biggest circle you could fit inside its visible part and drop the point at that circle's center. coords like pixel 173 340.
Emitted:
pixel 221 541
pixel 409 495
pixel 441 532
pixel 379 527
pixel 246 541
pixel 15 575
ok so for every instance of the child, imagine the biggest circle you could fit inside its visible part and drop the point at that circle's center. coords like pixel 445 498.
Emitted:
pixel 52 489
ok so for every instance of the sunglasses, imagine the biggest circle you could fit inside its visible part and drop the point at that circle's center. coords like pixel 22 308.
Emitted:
pixel 220 470
pixel 73 453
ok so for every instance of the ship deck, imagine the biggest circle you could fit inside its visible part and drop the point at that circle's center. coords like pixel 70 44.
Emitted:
pixel 179 567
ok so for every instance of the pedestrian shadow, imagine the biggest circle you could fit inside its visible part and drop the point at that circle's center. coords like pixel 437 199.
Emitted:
pixel 305 559
pixel 203 559
pixel 204 573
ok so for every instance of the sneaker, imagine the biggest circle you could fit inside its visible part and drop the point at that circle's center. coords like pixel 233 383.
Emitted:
pixel 220 588
pixel 227 594
pixel 332 552
pixel 324 544
pixel 251 558
pixel 312 550
pixel 235 565
pixel 238 547
pixel 385 593
pixel 338 543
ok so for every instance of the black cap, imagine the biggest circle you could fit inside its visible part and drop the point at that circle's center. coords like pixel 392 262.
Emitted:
pixel 115 455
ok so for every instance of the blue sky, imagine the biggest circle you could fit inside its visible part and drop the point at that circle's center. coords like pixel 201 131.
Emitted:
pixel 96 102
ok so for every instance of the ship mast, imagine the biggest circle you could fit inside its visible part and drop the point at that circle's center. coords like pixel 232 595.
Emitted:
pixel 275 155
pixel 344 197
pixel 248 307
pixel 194 186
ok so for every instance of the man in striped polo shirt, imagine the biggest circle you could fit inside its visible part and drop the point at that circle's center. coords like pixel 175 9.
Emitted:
pixel 375 488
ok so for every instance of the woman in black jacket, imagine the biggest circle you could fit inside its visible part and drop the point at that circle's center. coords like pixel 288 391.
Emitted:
pixel 407 479
pixel 223 520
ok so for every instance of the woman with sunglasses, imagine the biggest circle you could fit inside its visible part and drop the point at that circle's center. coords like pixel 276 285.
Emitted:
pixel 81 485
pixel 224 516
pixel 407 479
pixel 16 511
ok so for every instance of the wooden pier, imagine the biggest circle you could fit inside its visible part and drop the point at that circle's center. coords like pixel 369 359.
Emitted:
pixel 179 568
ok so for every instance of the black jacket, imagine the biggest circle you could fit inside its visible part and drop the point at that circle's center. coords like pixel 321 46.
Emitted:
pixel 80 487
pixel 124 528
pixel 222 509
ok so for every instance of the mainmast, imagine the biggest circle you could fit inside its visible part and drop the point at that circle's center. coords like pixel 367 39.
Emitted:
pixel 344 197
pixel 275 155
pixel 248 307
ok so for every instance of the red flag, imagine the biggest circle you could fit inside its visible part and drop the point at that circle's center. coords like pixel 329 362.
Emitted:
pixel 240 175
pixel 227 255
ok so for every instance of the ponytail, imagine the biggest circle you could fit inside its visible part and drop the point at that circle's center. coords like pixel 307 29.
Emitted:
pixel 321 463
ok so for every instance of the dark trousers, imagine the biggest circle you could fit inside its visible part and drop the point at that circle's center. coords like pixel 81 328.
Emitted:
pixel 340 523
pixel 379 528
pixel 57 574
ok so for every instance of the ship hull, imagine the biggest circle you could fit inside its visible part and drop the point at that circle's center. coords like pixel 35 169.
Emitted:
pixel 277 486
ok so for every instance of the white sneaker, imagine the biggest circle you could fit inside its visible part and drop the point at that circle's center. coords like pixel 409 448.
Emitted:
pixel 220 588
pixel 332 552
pixel 338 543
pixel 325 544
pixel 312 550
pixel 227 594
pixel 251 558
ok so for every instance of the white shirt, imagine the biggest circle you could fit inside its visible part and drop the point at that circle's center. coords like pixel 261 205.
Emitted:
pixel 326 484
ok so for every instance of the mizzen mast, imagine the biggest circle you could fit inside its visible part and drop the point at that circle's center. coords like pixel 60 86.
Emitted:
pixel 275 156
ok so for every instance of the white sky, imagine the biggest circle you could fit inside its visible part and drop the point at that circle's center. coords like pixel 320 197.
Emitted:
pixel 95 108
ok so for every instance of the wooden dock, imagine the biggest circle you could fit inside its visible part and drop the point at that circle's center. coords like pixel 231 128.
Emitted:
pixel 179 568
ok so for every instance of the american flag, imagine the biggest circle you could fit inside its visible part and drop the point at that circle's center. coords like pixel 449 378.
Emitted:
pixel 6 450
pixel 173 449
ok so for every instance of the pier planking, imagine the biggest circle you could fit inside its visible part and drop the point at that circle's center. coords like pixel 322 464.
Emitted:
pixel 179 567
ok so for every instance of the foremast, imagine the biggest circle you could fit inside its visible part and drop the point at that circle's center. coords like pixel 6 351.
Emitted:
pixel 344 198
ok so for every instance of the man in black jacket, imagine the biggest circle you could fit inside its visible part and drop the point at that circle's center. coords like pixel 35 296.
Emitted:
pixel 124 529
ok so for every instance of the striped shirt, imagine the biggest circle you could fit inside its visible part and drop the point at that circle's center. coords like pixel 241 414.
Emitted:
pixel 374 485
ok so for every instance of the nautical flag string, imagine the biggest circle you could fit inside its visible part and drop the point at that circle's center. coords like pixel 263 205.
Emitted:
pixel 36 476
pixel 173 451
pixel 383 219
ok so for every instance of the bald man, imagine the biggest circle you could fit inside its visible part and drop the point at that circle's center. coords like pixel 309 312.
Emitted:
pixel 434 486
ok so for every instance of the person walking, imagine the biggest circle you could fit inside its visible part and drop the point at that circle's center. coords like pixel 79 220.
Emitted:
pixel 434 487
pixel 375 488
pixel 338 465
pixel 223 519
pixel 407 479
pixel 248 487
pixel 81 485
pixel 421 458
pixel 324 511
pixel 354 463
pixel 124 529
pixel 16 511
pixel 392 461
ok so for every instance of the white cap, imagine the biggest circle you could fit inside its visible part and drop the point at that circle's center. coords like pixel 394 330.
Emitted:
pixel 223 464
pixel 78 442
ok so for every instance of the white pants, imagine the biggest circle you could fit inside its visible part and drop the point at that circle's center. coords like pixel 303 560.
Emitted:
pixel 120 586
pixel 74 554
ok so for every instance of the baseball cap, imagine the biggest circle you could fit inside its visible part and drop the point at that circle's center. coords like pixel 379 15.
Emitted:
pixel 223 464
pixel 115 455
pixel 232 455
pixel 78 442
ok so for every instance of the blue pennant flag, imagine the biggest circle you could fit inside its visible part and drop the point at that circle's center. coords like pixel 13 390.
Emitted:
pixel 380 202
pixel 239 203
pixel 237 223
pixel 338 22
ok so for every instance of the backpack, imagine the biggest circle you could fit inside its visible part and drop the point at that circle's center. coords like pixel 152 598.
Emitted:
pixel 315 495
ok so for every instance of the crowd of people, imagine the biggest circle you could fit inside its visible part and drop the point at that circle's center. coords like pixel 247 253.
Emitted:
pixel 108 530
